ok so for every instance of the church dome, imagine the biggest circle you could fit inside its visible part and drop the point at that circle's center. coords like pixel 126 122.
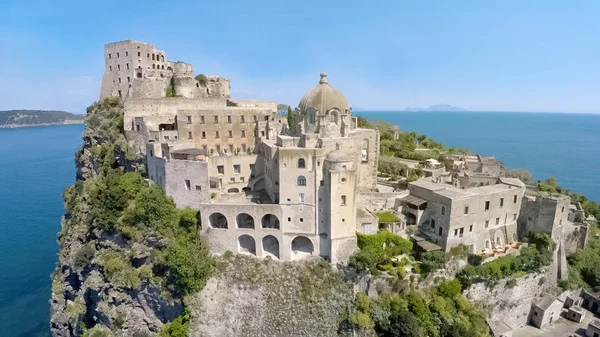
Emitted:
pixel 323 98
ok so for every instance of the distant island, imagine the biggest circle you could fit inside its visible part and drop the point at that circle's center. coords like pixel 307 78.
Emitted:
pixel 24 118
pixel 438 107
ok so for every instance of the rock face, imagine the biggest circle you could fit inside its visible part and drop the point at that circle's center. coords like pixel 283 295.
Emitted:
pixel 250 297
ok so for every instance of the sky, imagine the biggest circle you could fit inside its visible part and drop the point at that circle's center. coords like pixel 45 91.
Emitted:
pixel 382 55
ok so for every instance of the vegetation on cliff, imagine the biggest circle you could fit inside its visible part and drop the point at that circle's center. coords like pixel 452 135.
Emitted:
pixel 121 233
pixel 438 312
pixel 584 265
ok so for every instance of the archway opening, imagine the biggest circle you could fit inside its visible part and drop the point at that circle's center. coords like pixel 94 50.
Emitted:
pixel 245 220
pixel 233 190
pixel 271 246
pixel 302 247
pixel 218 220
pixel 246 244
pixel 270 221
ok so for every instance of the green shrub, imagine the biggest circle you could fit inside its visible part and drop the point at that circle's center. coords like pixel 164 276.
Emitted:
pixel 378 249
pixel 511 283
pixel 387 217
pixel 178 328
pixel 190 262
pixel 84 255
pixel 450 289
pixel 432 261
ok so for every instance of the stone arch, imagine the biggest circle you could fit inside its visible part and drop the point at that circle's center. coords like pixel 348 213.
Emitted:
pixel 162 67
pixel 301 163
pixel 169 68
pixel 244 220
pixel 270 221
pixel 301 181
pixel 218 220
pixel 302 247
pixel 246 244
pixel 270 246
pixel 364 148
pixel 233 190
pixel 499 238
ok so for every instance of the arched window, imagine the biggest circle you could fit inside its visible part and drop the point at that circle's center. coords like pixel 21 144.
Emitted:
pixel 301 181
pixel 301 163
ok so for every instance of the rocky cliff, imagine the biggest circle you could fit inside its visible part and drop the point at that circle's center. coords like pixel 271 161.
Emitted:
pixel 132 264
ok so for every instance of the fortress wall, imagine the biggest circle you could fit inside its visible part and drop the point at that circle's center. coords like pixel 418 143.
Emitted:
pixel 377 201
pixel 149 87
pixel 166 106
pixel 272 105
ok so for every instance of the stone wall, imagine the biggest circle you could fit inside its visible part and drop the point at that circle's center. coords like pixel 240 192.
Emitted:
pixel 376 201
pixel 267 298
pixel 512 305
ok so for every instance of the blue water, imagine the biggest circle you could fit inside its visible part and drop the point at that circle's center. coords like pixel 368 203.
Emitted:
pixel 566 146
pixel 36 164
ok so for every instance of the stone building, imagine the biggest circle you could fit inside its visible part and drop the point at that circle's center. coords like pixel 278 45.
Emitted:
pixel 545 311
pixel 481 218
pixel 138 70
pixel 291 194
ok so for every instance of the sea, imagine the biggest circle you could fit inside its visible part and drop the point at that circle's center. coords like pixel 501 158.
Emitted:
pixel 36 164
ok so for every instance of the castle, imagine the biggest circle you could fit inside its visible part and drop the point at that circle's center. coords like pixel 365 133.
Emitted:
pixel 298 186
pixel 262 187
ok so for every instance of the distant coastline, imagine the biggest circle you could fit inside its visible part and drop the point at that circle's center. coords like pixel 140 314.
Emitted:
pixel 30 118
pixel 437 107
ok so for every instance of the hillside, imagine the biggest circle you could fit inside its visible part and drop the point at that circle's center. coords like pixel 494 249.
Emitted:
pixel 20 118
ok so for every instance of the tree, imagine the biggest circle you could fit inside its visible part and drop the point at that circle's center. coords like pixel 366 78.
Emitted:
pixel 552 182
pixel 402 324
pixel 290 117
pixel 450 289
pixel 363 123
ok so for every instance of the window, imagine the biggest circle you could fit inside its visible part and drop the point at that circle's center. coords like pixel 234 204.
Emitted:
pixel 232 180
pixel 560 222
pixel 470 228
pixel 242 119
pixel 117 54
pixel 487 223
pixel 255 119
pixel 301 197
pixel 153 57
pixel 461 231
pixel 203 134
pixel 220 169
pixel 322 183
pixel 301 181
pixel 487 205
pixel 497 221
pixel 514 216
pixel 456 232
pixel 236 169
pixel 466 209
pixel 187 185
pixel 243 133
pixel 109 68
pixel 231 148
pixel 109 56
pixel 229 119
pixel 440 231
pixel 443 210
pixel 230 133
pixel 301 219
pixel 154 66
pixel 201 119
pixel 151 153
pixel 320 199
pixel 301 163
pixel 216 119
pixel 139 54
pixel 343 200
pixel 119 80
pixel 128 79
pixel 126 53
pixel 189 134
pixel 148 55
pixel 501 202
pixel 189 119
pixel 432 223
pixel 216 134
pixel 198 188
pixel 242 179
pixel 262 133
pixel 243 147
pixel 127 66
pixel 515 199
pixel 118 67
pixel 563 209
pixel 289 219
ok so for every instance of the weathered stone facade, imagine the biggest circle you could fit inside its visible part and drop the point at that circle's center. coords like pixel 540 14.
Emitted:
pixel 262 187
